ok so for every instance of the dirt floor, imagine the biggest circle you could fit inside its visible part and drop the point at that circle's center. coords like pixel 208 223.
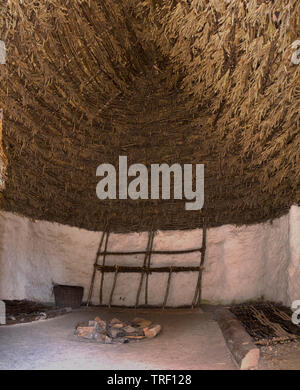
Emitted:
pixel 280 356
pixel 190 339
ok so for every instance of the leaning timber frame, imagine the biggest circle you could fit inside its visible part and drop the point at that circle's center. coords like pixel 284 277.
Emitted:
pixel 145 270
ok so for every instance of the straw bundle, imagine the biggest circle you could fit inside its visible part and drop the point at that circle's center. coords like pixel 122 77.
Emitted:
pixel 159 81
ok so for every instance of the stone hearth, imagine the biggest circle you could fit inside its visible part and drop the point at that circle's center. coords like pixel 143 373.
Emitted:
pixel 117 331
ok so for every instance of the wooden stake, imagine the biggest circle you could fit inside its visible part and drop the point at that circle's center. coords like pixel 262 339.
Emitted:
pixel 201 264
pixel 197 295
pixel 168 288
pixel 143 270
pixel 102 273
pixel 3 159
pixel 114 285
pixel 95 269
pixel 148 267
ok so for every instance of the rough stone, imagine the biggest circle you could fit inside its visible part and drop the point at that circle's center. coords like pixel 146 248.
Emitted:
pixel 86 332
pixel 101 322
pixel 153 331
pixel 108 340
pixel 141 322
pixel 136 337
pixel 115 321
pixel 115 333
pixel 129 329
pixel 118 326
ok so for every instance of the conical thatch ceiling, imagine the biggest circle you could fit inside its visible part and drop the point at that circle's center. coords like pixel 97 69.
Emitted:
pixel 159 81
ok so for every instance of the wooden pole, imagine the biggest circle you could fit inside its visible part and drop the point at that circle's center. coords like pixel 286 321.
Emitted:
pixel 167 253
pixel 202 262
pixel 133 269
pixel 143 270
pixel 197 295
pixel 95 269
pixel 3 158
pixel 103 264
pixel 148 267
pixel 114 286
pixel 168 288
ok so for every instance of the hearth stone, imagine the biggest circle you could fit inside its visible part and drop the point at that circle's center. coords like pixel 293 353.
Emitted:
pixel 116 331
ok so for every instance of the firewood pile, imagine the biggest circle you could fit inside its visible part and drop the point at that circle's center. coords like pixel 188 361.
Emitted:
pixel 117 331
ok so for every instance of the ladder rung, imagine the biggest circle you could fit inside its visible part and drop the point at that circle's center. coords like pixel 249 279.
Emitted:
pixel 112 268
pixel 178 252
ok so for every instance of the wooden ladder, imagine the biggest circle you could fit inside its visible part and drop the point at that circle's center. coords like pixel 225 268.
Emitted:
pixel 146 268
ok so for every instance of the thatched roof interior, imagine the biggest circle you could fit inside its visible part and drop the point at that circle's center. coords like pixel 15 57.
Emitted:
pixel 159 81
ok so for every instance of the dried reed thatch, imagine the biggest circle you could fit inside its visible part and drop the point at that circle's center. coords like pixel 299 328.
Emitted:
pixel 159 81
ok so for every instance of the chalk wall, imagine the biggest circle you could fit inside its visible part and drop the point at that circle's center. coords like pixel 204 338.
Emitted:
pixel 241 263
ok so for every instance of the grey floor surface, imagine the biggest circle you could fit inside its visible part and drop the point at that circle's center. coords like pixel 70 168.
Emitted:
pixel 190 339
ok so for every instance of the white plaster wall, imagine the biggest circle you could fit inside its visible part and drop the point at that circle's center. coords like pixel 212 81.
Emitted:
pixel 241 263
pixel 294 264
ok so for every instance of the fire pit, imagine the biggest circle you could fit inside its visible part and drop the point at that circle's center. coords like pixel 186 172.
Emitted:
pixel 116 331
